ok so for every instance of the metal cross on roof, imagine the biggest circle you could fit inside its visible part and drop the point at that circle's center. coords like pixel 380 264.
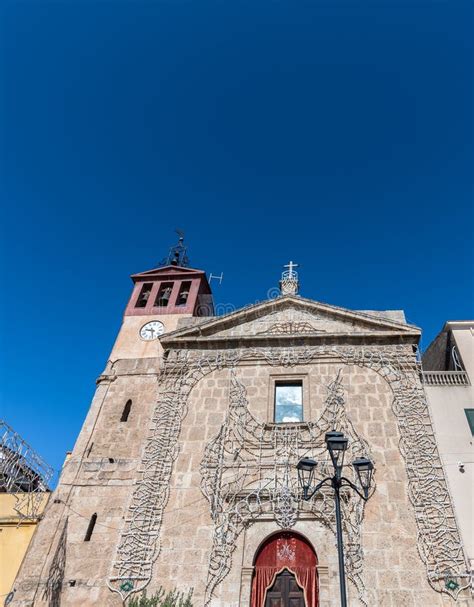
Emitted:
pixel 289 279
pixel 290 267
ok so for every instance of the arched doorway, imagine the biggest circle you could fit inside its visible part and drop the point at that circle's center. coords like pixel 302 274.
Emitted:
pixel 285 573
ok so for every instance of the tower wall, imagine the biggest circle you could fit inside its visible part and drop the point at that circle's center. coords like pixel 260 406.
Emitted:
pixel 128 345
pixel 89 484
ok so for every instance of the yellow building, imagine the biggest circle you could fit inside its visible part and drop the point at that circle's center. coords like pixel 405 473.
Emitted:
pixel 24 494
pixel 15 535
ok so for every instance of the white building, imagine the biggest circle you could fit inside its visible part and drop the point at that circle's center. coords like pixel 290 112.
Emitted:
pixel 448 366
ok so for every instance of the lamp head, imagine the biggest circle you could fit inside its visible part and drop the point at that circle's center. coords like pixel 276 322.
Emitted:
pixel 306 468
pixel 364 469
pixel 336 443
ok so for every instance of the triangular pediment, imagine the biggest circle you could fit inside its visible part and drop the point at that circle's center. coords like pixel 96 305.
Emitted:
pixel 167 272
pixel 291 317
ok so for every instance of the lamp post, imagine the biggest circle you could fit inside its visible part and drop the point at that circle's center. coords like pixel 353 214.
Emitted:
pixel 336 444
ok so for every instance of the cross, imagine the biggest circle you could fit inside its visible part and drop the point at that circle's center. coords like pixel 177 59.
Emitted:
pixel 290 267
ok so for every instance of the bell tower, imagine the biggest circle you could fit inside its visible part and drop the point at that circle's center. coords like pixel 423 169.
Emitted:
pixel 160 298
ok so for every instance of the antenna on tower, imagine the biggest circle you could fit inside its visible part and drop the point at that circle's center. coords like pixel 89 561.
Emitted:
pixel 177 255
pixel 219 277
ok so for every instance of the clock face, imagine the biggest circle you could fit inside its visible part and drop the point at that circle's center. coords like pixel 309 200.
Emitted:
pixel 152 330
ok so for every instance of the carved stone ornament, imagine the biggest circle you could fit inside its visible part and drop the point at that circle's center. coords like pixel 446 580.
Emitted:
pixel 237 496
pixel 249 470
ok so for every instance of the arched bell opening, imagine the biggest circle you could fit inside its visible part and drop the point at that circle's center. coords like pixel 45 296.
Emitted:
pixel 285 572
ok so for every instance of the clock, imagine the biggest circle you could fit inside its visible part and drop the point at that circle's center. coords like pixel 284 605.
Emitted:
pixel 152 330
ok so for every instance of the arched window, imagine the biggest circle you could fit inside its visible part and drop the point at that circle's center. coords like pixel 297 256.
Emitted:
pixel 90 528
pixel 126 411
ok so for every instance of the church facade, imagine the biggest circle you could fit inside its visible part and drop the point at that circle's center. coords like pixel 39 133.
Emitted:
pixel 184 473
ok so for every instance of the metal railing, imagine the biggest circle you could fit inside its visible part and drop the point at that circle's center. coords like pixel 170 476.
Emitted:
pixel 446 378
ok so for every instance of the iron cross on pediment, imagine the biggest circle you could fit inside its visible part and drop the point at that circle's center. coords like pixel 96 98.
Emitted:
pixel 290 267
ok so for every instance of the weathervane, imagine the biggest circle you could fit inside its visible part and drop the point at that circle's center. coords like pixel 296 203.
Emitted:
pixel 177 255
pixel 289 282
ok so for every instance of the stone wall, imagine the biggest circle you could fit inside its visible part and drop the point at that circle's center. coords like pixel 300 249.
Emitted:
pixel 89 484
pixel 393 573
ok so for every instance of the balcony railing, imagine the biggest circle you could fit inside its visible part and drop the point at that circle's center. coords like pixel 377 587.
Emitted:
pixel 445 378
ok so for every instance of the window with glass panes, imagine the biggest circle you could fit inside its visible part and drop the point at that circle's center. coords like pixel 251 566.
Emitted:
pixel 288 401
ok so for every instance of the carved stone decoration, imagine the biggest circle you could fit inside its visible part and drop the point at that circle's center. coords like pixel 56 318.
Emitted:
pixel 249 469
pixel 139 545
pixel 291 328
pixel 438 540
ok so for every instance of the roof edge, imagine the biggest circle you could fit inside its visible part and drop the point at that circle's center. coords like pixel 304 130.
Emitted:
pixel 227 319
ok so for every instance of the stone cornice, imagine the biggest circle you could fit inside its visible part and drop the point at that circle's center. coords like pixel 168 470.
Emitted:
pixel 273 341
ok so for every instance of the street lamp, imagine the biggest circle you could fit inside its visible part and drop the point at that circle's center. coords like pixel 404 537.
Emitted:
pixel 336 444
pixel 306 468
pixel 364 468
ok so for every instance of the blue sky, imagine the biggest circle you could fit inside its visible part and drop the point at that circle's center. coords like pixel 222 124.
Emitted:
pixel 334 133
